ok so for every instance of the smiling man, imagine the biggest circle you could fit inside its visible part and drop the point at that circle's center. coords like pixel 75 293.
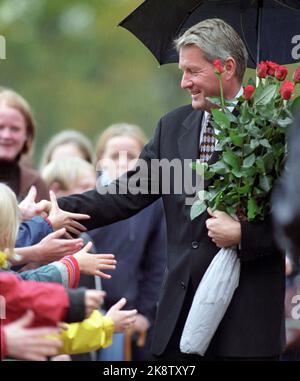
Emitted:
pixel 253 326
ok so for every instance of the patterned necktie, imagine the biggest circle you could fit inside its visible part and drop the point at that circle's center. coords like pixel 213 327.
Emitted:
pixel 207 145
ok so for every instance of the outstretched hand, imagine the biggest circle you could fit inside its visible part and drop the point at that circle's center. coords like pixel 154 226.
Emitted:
pixel 122 319
pixel 29 208
pixel 33 344
pixel 223 230
pixel 92 264
pixel 62 219
pixel 93 300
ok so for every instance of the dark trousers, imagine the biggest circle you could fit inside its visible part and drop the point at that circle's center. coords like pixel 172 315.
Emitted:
pixel 172 351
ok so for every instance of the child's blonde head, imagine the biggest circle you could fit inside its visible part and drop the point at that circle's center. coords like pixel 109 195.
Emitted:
pixel 67 173
pixel 9 219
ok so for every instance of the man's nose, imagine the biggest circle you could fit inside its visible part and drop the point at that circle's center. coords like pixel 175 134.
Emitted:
pixel 186 82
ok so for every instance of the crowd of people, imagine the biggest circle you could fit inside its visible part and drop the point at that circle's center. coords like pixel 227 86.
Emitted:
pixel 84 268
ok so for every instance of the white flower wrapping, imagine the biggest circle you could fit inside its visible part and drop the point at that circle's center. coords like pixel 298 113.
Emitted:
pixel 210 302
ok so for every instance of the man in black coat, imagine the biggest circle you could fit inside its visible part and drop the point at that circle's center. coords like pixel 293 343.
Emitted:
pixel 253 326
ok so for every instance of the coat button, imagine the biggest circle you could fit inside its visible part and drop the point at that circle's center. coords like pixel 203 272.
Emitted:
pixel 182 284
pixel 195 245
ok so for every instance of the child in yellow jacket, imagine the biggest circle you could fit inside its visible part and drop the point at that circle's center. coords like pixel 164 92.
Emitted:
pixel 96 331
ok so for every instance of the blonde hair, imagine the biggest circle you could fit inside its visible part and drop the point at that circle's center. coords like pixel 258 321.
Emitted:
pixel 13 99
pixel 66 137
pixel 9 220
pixel 66 172
pixel 119 129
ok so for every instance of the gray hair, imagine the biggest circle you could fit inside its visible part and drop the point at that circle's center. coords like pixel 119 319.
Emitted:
pixel 216 39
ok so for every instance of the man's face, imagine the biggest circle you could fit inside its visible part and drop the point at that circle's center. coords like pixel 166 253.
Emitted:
pixel 198 76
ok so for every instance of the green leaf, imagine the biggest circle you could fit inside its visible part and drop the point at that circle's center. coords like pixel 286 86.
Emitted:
pixel 229 115
pixel 231 159
pixel 220 118
pixel 264 143
pixel 248 149
pixel 203 195
pixel 231 211
pixel 208 175
pixel 197 208
pixel 260 163
pixel 244 190
pixel 237 173
pixel 254 143
pixel 249 161
pixel 286 122
pixel 266 96
pixel 215 100
pixel 269 161
pixel 265 182
pixel 251 82
pixel 237 139
pixel 252 209
pixel 296 106
pixel 220 168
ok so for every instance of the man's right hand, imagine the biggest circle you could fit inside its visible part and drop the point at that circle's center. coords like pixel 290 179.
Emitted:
pixel 61 219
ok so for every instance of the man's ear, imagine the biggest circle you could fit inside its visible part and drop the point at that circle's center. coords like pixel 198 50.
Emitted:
pixel 230 68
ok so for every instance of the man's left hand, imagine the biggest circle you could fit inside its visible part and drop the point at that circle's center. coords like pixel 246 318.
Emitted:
pixel 223 229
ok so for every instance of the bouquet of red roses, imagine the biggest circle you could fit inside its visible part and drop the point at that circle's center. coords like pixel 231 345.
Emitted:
pixel 253 144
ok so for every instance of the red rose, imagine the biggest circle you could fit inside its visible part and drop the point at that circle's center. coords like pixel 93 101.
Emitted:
pixel 286 90
pixel 248 92
pixel 297 75
pixel 281 73
pixel 262 69
pixel 218 66
pixel 272 66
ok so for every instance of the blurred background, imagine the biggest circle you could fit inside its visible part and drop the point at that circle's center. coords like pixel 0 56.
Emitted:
pixel 78 70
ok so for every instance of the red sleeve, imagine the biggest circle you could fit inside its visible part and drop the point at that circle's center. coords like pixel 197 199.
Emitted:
pixel 2 344
pixel 48 301
pixel 73 270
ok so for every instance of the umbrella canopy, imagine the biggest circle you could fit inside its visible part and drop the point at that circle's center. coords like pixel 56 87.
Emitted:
pixel 269 28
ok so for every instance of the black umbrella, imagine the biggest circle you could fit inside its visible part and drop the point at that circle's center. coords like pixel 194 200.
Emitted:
pixel 269 28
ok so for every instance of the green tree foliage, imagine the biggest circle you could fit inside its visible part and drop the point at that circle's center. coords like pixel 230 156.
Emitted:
pixel 79 70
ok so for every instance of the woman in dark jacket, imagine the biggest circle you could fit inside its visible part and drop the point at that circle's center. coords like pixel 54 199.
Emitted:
pixel 17 132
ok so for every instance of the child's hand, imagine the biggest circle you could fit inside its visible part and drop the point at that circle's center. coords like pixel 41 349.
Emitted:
pixel 25 343
pixel 122 319
pixel 29 208
pixel 92 264
pixel 93 300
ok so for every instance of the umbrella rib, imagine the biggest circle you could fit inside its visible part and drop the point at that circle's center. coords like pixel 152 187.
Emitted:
pixel 245 41
pixel 286 6
pixel 186 17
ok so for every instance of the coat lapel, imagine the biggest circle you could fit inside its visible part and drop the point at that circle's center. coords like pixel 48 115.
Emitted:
pixel 188 141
